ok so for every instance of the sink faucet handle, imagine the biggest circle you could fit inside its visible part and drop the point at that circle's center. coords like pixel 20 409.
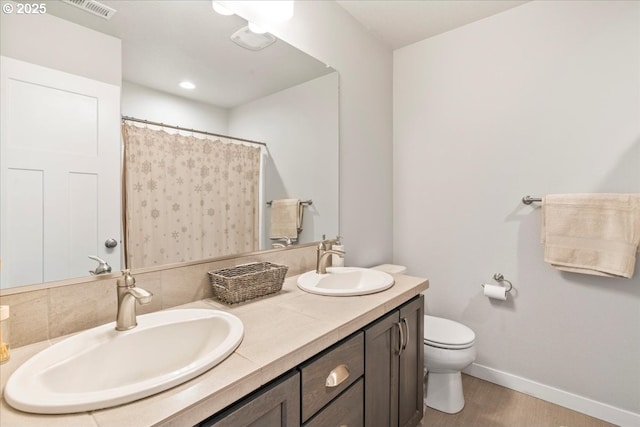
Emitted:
pixel 325 245
pixel 127 281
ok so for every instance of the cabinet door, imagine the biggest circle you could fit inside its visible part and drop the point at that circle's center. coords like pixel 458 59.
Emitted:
pixel 410 409
pixel 381 372
pixel 276 406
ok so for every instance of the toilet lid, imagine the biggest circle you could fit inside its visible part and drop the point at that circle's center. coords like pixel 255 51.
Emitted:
pixel 447 333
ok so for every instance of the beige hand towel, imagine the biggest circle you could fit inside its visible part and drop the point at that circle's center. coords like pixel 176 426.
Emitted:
pixel 286 218
pixel 595 234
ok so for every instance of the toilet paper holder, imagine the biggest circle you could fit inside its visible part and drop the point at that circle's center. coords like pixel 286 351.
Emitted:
pixel 498 277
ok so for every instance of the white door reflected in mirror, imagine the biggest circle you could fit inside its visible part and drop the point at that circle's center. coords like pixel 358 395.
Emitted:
pixel 60 170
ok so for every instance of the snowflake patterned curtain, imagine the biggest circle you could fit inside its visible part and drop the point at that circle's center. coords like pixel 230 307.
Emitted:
pixel 188 198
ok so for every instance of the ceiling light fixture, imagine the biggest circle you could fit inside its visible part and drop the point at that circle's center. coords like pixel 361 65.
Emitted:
pixel 187 85
pixel 272 11
pixel 256 29
pixel 247 39
pixel 221 9
pixel 281 10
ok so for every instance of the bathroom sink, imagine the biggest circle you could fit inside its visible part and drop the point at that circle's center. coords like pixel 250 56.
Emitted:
pixel 345 281
pixel 102 367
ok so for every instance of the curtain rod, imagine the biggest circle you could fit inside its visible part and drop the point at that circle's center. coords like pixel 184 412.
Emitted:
pixel 149 122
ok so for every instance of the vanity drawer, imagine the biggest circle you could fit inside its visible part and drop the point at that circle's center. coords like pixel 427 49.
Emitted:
pixel 346 411
pixel 329 374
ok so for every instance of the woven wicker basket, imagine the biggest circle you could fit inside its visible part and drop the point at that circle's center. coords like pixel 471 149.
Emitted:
pixel 247 281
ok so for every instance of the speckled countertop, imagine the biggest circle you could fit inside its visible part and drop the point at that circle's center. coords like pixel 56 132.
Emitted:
pixel 281 331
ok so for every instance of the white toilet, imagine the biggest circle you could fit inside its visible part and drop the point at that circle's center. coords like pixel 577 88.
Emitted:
pixel 448 349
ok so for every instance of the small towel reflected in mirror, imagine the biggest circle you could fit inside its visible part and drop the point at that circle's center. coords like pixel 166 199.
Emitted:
pixel 286 218
pixel 596 234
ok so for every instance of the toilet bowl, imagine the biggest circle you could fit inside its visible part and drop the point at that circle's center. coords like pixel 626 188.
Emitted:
pixel 448 349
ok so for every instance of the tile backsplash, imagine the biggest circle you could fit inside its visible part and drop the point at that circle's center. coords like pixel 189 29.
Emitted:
pixel 52 311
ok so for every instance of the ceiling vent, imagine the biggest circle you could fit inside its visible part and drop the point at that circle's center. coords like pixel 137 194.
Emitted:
pixel 93 7
pixel 249 40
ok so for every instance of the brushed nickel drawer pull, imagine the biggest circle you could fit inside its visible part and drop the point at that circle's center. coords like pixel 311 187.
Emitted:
pixel 400 338
pixel 406 333
pixel 337 376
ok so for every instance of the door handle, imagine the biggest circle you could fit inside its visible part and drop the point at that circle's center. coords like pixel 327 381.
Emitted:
pixel 102 268
pixel 111 243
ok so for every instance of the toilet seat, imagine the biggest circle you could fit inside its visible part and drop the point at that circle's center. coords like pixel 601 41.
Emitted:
pixel 448 334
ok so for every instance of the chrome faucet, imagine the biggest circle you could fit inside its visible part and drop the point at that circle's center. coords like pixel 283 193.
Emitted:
pixel 322 256
pixel 128 294
pixel 102 268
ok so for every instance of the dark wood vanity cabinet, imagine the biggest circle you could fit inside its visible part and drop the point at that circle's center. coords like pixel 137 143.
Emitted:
pixel 277 405
pixel 394 365
pixel 347 410
pixel 372 378
pixel 324 379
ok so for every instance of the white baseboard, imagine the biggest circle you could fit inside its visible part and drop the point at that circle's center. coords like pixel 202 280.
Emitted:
pixel 572 401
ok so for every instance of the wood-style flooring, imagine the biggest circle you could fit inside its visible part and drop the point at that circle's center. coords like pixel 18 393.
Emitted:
pixel 491 405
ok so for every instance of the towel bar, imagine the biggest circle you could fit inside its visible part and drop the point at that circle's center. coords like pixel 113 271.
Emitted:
pixel 527 200
pixel 303 203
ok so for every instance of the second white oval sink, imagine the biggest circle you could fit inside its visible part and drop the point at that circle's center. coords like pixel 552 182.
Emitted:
pixel 345 281
pixel 102 367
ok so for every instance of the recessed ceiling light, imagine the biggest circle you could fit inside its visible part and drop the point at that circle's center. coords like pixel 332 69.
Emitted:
pixel 187 85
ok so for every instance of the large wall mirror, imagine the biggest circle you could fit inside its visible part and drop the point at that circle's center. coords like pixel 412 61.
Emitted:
pixel 277 95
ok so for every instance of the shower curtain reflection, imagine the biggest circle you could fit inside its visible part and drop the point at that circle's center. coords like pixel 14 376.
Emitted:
pixel 188 198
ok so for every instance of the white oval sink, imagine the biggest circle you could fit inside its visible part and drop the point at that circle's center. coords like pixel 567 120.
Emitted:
pixel 102 367
pixel 345 281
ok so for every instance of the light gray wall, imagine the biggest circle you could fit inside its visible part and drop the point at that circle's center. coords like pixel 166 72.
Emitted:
pixel 543 98
pixel 326 31
pixel 55 43
pixel 300 127
pixel 148 104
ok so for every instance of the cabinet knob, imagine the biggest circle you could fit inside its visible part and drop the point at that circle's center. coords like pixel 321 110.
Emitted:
pixel 337 376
